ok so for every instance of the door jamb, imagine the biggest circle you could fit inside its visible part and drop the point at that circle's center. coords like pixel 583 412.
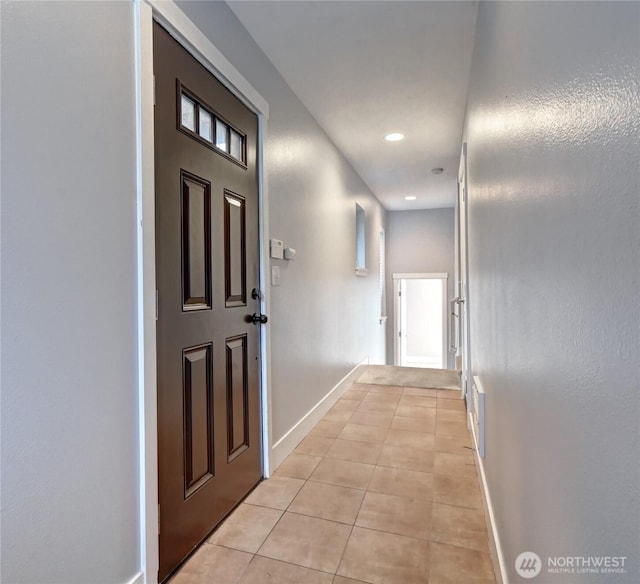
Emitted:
pixel 167 13
pixel 445 310
pixel 465 341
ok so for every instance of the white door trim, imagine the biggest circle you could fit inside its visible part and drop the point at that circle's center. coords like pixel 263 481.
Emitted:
pixel 429 276
pixel 464 315
pixel 397 319
pixel 167 13
pixel 397 277
pixel 179 26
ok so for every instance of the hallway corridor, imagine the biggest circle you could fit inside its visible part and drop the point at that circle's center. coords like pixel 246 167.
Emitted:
pixel 383 490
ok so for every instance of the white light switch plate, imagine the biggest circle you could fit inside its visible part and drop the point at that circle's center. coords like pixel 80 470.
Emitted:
pixel 275 275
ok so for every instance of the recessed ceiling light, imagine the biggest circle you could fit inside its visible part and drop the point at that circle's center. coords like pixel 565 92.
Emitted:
pixel 437 170
pixel 409 198
pixel 395 137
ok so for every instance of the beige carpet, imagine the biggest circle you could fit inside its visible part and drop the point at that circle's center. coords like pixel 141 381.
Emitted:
pixel 410 377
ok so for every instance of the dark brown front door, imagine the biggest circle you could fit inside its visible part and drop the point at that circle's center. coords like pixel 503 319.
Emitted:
pixel 209 439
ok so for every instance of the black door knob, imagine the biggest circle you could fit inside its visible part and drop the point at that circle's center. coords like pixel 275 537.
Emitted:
pixel 259 318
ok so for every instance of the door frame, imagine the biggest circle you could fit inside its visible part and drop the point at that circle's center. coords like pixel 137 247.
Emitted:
pixel 187 34
pixel 462 277
pixel 396 310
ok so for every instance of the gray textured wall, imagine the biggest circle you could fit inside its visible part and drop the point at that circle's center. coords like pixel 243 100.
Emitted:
pixel 69 378
pixel 552 133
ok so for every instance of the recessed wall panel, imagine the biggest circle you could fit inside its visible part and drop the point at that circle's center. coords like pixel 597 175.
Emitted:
pixel 196 242
pixel 237 396
pixel 235 250
pixel 198 416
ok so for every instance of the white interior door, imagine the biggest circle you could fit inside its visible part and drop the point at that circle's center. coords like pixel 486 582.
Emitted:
pixel 421 320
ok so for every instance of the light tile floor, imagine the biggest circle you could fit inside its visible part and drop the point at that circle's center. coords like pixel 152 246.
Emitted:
pixel 383 490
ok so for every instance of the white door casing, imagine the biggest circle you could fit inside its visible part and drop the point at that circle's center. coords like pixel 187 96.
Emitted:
pixel 462 284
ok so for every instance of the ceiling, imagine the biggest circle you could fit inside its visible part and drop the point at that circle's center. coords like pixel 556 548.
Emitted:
pixel 366 69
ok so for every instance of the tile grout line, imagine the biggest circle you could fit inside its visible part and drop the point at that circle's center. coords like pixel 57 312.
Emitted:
pixel 431 501
pixel 353 525
pixel 292 564
pixel 429 548
pixel 279 519
pixel 386 436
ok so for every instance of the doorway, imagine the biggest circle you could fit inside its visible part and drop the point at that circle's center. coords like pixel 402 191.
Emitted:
pixel 208 301
pixel 421 320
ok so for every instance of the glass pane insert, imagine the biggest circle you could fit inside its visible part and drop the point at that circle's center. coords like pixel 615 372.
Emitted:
pixel 206 129
pixel 236 145
pixel 221 136
pixel 188 113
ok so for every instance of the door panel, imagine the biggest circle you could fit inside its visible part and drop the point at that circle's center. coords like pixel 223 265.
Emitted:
pixel 237 396
pixel 234 247
pixel 196 242
pixel 209 440
pixel 198 417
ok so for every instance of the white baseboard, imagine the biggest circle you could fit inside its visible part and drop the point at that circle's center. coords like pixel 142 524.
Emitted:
pixel 499 566
pixel 283 447
pixel 137 579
